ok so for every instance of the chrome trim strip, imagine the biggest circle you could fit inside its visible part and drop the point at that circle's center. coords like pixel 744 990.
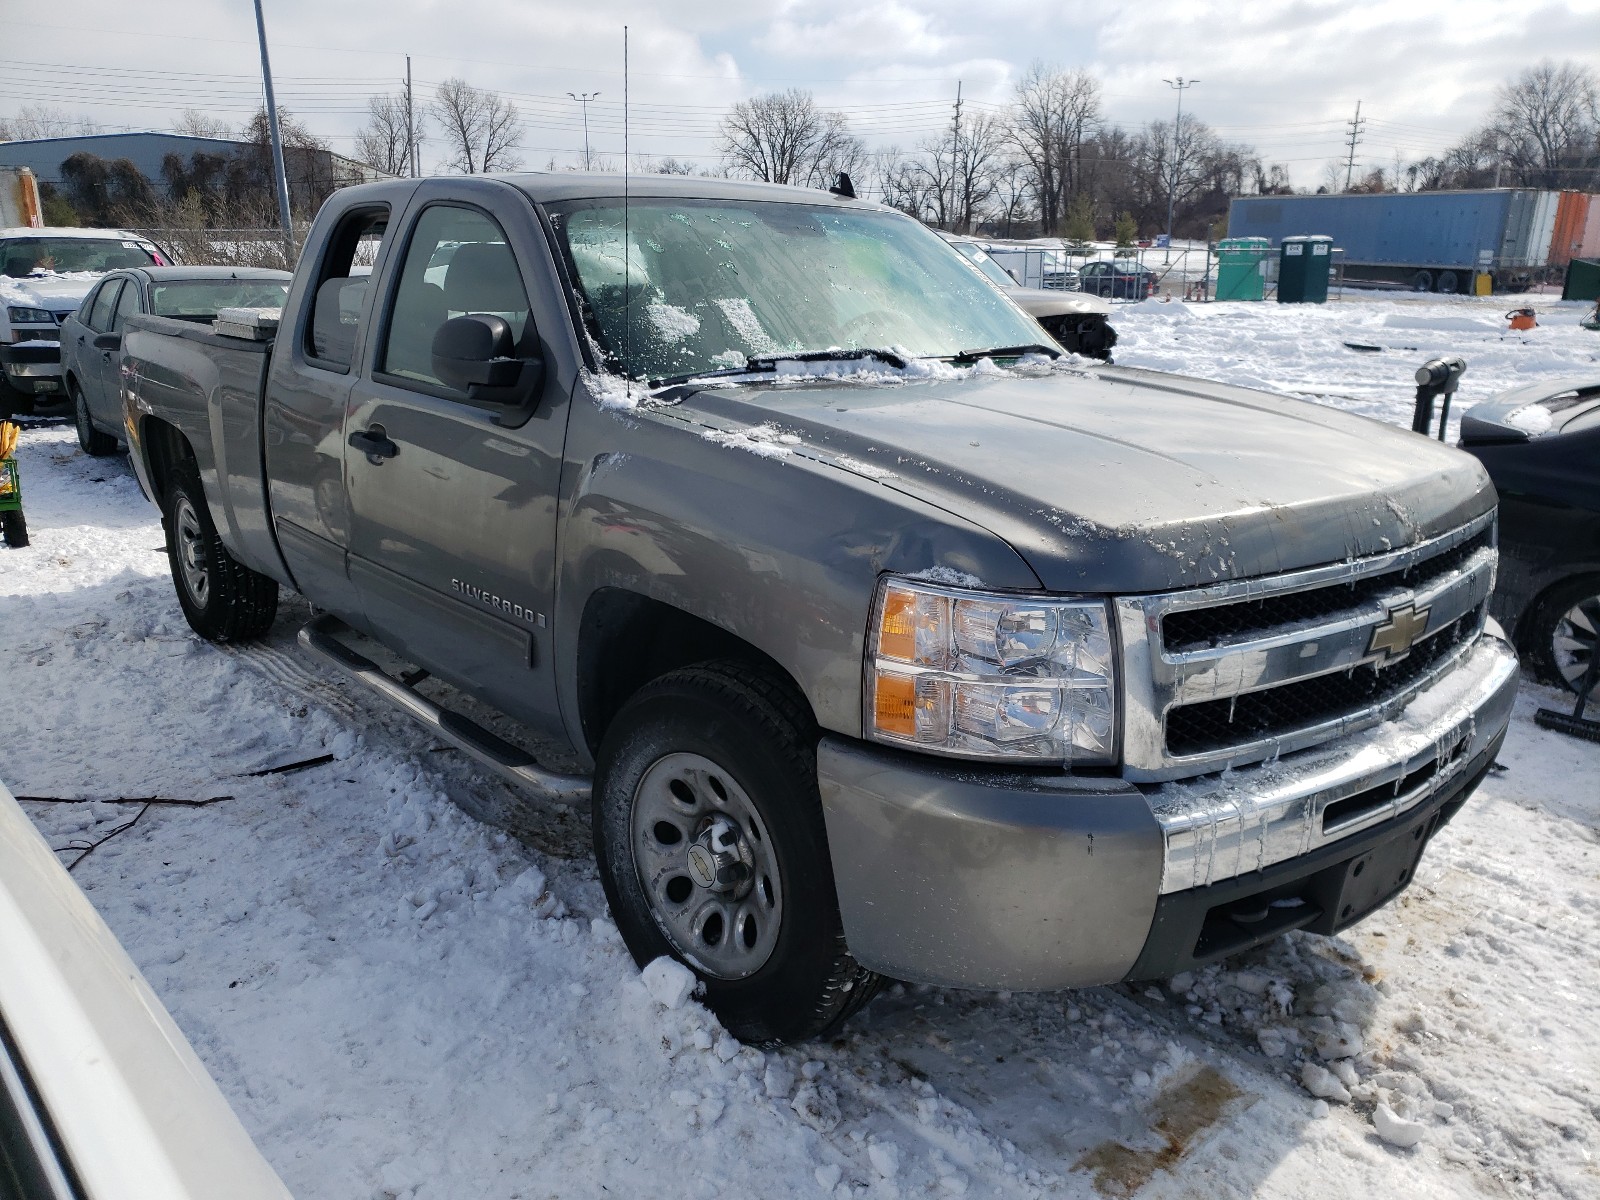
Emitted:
pixel 1225 825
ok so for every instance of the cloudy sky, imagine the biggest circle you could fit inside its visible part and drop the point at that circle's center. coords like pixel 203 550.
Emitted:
pixel 1282 75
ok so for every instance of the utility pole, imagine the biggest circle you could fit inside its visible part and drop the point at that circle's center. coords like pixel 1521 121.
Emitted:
pixel 955 158
pixel 586 99
pixel 277 143
pixel 1177 130
pixel 411 128
pixel 1355 140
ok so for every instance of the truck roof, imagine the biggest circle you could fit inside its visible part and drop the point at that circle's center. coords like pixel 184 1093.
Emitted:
pixel 167 274
pixel 545 187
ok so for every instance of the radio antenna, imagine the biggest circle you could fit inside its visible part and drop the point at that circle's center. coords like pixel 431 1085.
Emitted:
pixel 627 258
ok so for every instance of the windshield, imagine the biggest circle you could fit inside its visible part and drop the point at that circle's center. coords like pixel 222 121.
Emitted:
pixel 716 282
pixel 20 257
pixel 207 297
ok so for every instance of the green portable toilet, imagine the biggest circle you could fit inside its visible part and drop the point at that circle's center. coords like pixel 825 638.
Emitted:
pixel 1303 264
pixel 1240 263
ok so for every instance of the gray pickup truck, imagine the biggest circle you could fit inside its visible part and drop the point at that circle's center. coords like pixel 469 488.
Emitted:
pixel 891 641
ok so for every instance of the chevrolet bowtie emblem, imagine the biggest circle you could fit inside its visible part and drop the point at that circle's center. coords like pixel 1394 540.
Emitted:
pixel 1404 626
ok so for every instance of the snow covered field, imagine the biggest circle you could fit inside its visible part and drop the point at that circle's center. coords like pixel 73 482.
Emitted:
pixel 403 1002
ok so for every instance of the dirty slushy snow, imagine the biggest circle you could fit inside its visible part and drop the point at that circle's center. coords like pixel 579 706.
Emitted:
pixel 405 1004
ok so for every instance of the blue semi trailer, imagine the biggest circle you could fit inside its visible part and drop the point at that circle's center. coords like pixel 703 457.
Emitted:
pixel 1427 241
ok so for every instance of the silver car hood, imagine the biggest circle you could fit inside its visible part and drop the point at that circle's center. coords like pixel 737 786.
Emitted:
pixel 1126 481
pixel 1052 302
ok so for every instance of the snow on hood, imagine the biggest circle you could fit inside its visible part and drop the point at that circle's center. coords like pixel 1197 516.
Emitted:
pixel 58 293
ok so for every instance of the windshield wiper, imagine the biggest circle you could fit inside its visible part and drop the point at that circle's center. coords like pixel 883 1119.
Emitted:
pixel 769 362
pixel 972 356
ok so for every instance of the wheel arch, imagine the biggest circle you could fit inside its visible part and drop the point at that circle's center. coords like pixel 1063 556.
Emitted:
pixel 627 639
pixel 162 447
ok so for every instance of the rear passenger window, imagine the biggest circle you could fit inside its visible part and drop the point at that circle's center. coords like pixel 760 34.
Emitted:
pixel 342 281
pixel 100 314
pixel 126 306
pixel 458 262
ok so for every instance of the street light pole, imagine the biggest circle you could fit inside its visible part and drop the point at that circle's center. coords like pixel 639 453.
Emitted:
pixel 276 136
pixel 1172 175
pixel 585 99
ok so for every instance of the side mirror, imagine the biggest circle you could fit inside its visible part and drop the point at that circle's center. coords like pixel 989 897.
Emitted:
pixel 476 354
pixel 108 341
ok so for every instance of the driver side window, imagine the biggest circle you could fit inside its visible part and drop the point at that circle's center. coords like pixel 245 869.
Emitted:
pixel 458 262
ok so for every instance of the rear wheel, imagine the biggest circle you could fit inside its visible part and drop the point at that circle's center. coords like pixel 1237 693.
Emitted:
pixel 1449 282
pixel 222 599
pixel 15 528
pixel 1422 281
pixel 1561 632
pixel 709 836
pixel 90 439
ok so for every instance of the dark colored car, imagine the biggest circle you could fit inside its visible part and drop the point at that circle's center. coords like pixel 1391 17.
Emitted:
pixel 91 338
pixel 1122 279
pixel 1541 446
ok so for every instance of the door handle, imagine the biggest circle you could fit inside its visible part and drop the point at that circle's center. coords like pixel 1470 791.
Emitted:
pixel 374 443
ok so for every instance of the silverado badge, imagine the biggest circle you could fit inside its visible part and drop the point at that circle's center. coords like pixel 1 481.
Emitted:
pixel 1404 626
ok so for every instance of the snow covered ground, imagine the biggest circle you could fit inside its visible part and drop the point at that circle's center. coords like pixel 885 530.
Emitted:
pixel 403 1002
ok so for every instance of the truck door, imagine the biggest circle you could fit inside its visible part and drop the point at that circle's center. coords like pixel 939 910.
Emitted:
pixel 313 368
pixel 453 501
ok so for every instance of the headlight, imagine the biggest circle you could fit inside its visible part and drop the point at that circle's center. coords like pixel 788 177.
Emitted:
pixel 978 675
pixel 30 316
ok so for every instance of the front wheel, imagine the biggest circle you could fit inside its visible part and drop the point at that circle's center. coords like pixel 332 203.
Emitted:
pixel 709 835
pixel 222 599
pixel 1562 630
pixel 90 440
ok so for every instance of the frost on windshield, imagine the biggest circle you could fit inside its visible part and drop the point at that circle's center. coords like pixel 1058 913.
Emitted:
pixel 686 287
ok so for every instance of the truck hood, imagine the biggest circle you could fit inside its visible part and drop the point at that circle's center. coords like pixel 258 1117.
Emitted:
pixel 1051 302
pixel 1119 480
pixel 58 293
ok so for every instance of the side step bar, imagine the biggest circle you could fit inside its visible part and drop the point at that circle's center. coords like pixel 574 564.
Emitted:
pixel 515 765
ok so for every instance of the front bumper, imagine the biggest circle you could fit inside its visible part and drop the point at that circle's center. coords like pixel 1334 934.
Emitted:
pixel 958 875
pixel 32 367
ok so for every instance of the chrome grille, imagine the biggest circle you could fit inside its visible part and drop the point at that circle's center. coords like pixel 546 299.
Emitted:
pixel 1242 671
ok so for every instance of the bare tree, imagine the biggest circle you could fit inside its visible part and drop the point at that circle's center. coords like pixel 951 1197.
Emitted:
pixel 198 124
pixel 42 121
pixel 1546 123
pixel 295 133
pixel 785 138
pixel 480 128
pixel 385 140
pixel 1055 113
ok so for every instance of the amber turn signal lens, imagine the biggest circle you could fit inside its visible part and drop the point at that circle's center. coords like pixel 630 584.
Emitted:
pixel 897 630
pixel 895 705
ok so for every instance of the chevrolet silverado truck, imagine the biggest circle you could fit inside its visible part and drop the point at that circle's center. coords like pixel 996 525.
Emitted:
pixel 888 640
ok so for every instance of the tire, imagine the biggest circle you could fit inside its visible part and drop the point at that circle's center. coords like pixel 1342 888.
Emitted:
pixel 222 599
pixel 14 526
pixel 1558 637
pixel 1449 283
pixel 1422 281
pixel 707 785
pixel 14 402
pixel 90 440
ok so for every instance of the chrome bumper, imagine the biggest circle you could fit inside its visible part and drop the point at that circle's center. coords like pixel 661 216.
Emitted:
pixel 953 874
pixel 1248 819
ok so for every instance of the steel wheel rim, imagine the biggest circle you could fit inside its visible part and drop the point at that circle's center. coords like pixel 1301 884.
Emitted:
pixel 705 861
pixel 1573 644
pixel 191 552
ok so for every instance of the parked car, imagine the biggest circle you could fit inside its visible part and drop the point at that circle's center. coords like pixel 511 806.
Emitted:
pixel 1077 322
pixel 1021 677
pixel 101 1096
pixel 44 276
pixel 1541 447
pixel 1121 279
pixel 91 337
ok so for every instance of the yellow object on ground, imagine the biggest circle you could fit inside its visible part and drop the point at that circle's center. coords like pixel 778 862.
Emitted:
pixel 1482 285
pixel 8 439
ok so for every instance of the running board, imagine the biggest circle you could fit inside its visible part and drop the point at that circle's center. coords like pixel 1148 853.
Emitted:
pixel 511 763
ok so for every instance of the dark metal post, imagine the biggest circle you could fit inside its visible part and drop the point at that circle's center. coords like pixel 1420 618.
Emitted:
pixel 277 142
